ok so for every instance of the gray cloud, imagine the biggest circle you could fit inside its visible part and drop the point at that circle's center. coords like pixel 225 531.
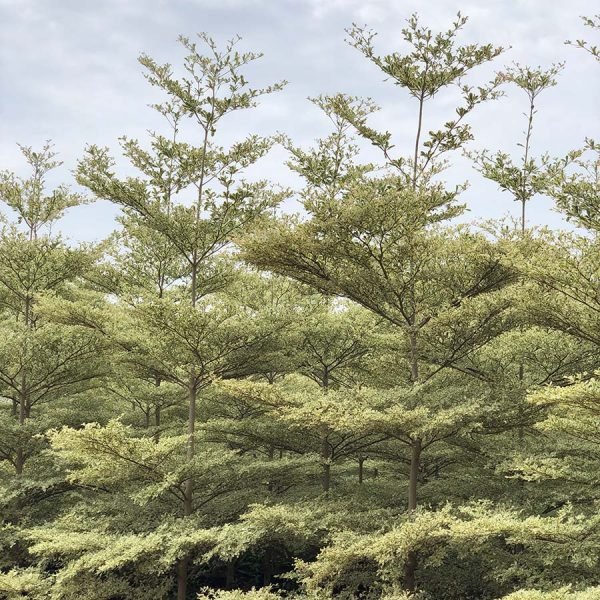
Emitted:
pixel 69 72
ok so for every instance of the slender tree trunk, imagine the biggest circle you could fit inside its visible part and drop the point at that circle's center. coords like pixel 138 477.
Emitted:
pixel 182 578
pixel 325 446
pixel 325 456
pixel 410 568
pixel 268 566
pixel 415 447
pixel 326 477
pixel 415 463
pixel 414 358
pixel 23 404
pixel 191 446
pixel 20 454
pixel 24 408
pixel 230 575
pixel 24 400
pixel 361 462
pixel 418 141
pixel 521 435
pixel 271 456
pixel 524 192
pixel 188 505
pixel 521 430
pixel 23 415
pixel 157 415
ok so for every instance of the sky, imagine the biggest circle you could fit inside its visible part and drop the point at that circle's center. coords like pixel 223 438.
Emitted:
pixel 69 73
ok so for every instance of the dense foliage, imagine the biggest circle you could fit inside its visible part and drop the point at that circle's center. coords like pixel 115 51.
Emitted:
pixel 365 400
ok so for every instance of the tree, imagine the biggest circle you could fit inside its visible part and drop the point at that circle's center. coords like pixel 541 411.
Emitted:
pixel 377 240
pixel 525 180
pixel 46 368
pixel 200 232
pixel 565 268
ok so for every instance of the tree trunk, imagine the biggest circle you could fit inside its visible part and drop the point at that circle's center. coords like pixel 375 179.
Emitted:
pixel 410 567
pixel 325 448
pixel 188 505
pixel 268 566
pixel 326 455
pixel 182 568
pixel 24 396
pixel 361 462
pixel 521 434
pixel 19 461
pixel 271 455
pixel 24 408
pixel 415 463
pixel 410 570
pixel 157 423
pixel 191 447
pixel 157 415
pixel 230 575
pixel 326 477
pixel 414 357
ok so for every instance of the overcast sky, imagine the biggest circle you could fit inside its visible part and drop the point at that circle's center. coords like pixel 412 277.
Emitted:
pixel 69 73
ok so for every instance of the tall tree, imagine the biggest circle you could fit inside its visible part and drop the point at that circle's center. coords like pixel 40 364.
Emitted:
pixel 377 239
pixel 45 368
pixel 525 178
pixel 221 203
